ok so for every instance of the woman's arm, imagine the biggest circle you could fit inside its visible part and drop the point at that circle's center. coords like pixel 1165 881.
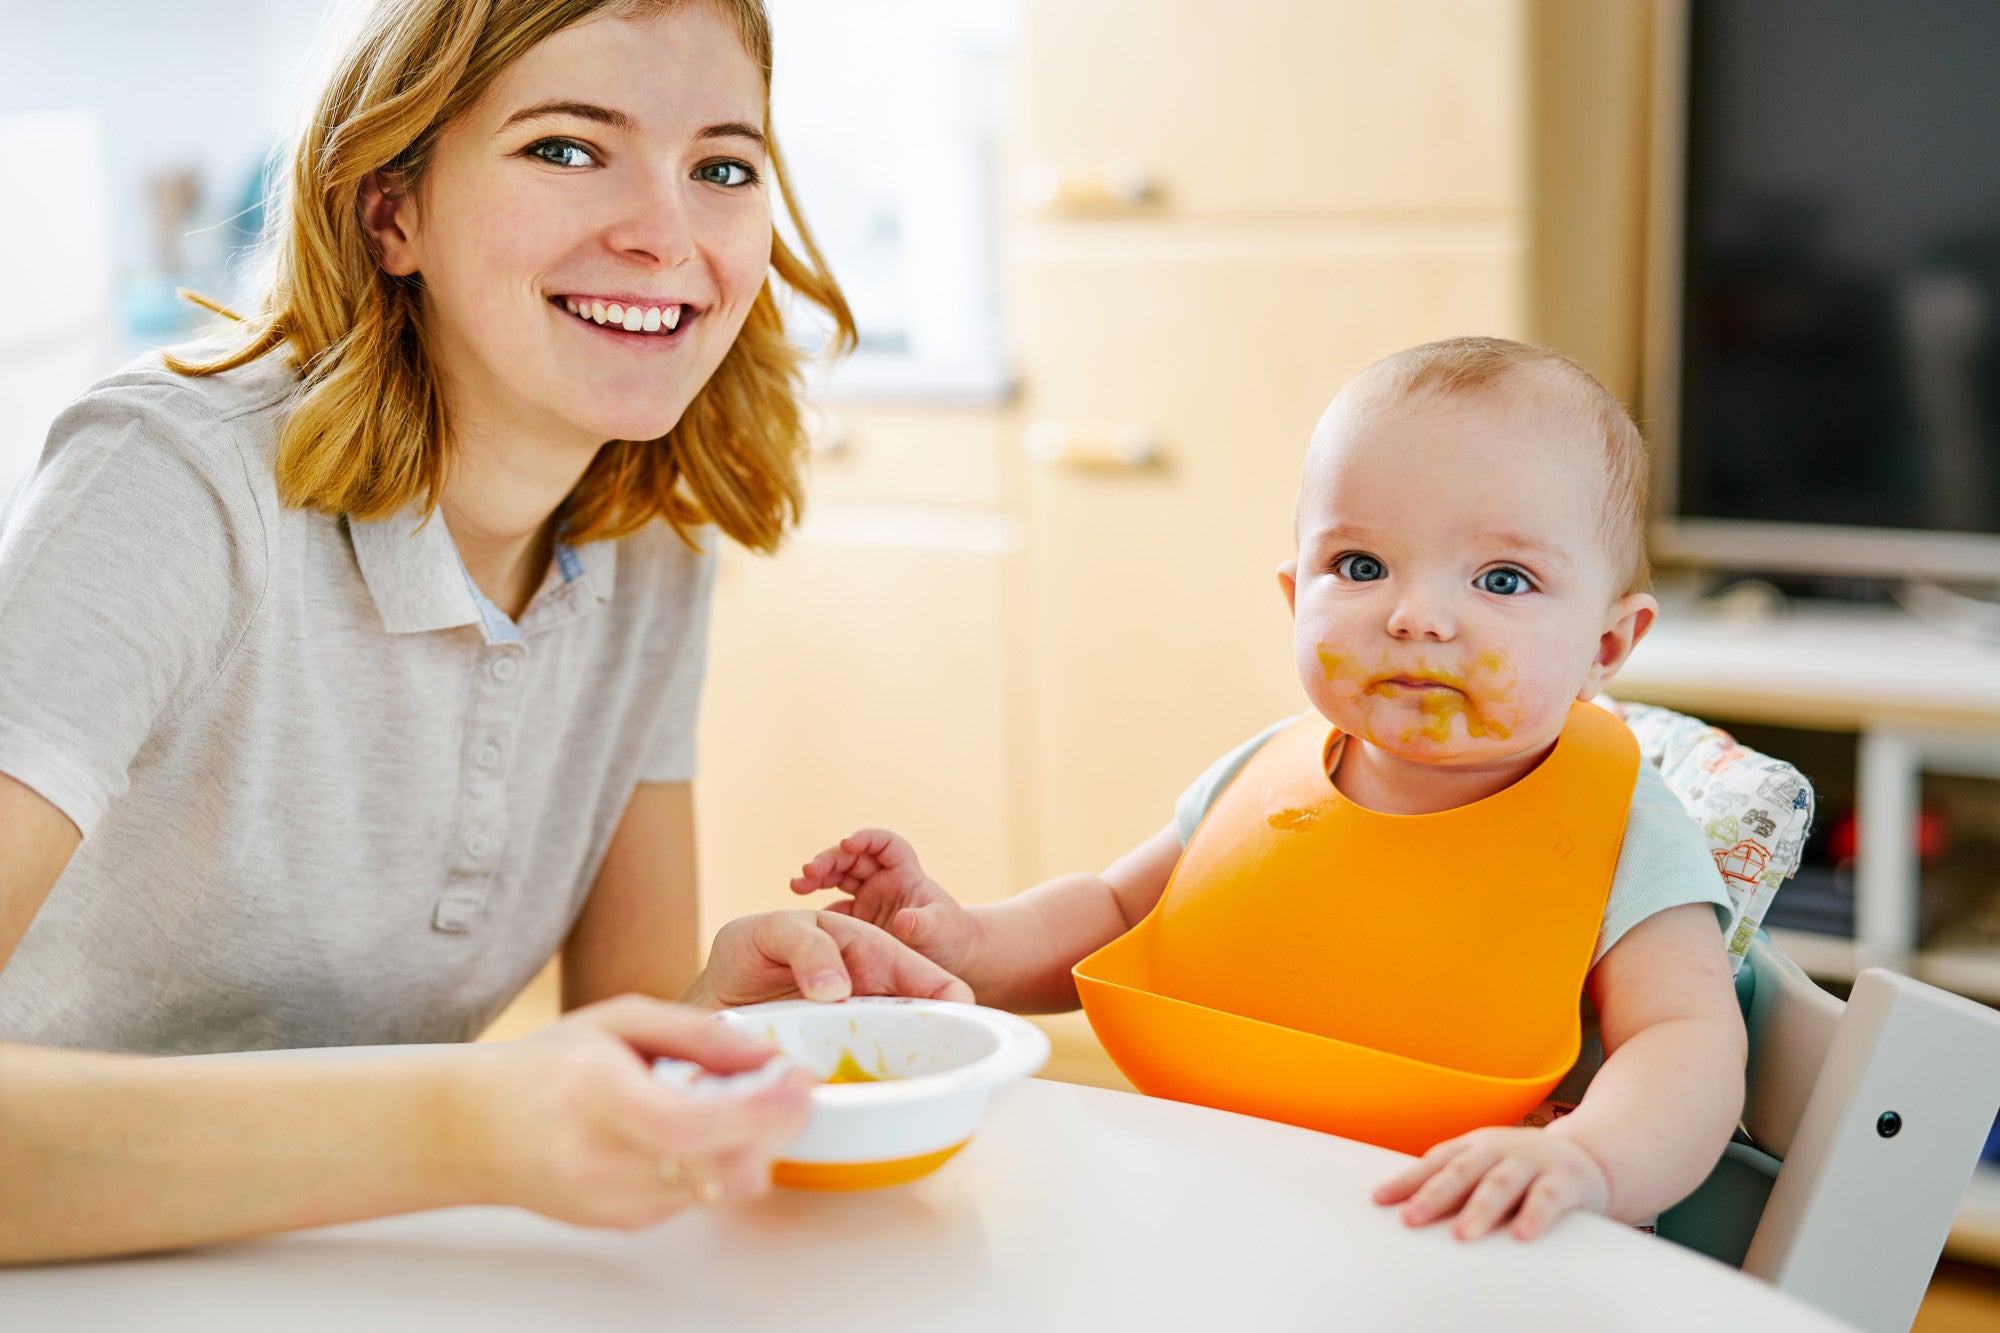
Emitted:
pixel 106 1154
pixel 640 933
pixel 114 1154
pixel 36 842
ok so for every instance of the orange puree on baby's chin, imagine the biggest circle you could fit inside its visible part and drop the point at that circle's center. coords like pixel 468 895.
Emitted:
pixel 848 1070
pixel 1467 697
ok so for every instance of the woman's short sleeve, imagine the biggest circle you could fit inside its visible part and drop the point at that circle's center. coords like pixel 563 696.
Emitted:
pixel 131 561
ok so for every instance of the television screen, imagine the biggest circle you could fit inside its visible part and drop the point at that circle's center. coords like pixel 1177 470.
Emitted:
pixel 1840 358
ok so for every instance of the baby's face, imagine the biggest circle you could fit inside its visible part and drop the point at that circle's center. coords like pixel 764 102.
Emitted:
pixel 1452 594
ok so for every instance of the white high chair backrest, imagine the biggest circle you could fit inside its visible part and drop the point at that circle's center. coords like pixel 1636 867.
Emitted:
pixel 1879 1106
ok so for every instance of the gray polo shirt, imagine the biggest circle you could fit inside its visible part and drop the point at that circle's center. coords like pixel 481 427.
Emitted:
pixel 329 794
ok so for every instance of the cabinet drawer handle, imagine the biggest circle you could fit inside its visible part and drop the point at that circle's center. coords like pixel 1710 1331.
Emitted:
pixel 1125 447
pixel 1120 187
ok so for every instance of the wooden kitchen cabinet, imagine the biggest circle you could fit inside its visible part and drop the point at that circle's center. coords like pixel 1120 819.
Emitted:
pixel 1277 108
pixel 861 676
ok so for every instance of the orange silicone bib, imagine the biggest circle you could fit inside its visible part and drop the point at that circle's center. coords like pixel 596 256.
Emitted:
pixel 1398 979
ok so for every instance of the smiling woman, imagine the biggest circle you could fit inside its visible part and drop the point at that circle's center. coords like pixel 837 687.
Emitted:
pixel 360 654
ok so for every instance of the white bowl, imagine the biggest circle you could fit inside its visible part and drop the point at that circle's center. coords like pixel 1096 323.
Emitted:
pixel 937 1062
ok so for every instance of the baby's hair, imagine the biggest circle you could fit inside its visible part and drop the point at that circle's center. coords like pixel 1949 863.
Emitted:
pixel 1455 366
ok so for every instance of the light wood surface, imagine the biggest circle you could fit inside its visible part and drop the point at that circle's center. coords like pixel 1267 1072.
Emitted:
pixel 1072 1208
pixel 1282 107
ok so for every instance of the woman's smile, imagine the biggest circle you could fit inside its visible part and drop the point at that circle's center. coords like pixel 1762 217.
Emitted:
pixel 665 323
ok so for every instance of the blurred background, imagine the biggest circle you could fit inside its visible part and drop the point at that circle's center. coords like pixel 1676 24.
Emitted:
pixel 1112 257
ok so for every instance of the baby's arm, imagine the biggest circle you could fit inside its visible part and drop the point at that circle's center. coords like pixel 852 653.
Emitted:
pixel 1660 1111
pixel 1654 1119
pixel 1015 954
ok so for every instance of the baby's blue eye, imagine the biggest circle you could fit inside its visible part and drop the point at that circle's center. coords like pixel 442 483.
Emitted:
pixel 725 173
pixel 1360 568
pixel 562 153
pixel 1503 582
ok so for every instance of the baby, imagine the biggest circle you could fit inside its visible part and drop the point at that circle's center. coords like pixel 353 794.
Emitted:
pixel 1471 562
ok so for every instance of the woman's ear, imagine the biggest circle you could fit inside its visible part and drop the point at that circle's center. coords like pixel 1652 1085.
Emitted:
pixel 390 221
pixel 1629 619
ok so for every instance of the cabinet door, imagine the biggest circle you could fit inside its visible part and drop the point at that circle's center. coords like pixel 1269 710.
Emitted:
pixel 1158 636
pixel 858 678
pixel 1239 108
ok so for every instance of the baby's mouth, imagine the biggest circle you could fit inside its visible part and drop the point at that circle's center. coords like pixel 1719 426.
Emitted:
pixel 1395 686
pixel 650 321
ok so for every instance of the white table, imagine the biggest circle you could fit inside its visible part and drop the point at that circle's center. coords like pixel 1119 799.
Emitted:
pixel 1074 1208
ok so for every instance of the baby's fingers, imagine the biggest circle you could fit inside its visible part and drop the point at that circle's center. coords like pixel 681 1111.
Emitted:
pixel 1549 1199
pixel 1405 1182
pixel 1495 1198
pixel 1444 1192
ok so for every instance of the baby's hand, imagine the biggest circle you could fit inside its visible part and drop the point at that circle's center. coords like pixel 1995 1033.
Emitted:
pixel 1485 1175
pixel 889 889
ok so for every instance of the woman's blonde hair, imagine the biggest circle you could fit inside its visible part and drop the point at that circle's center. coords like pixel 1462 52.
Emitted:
pixel 369 433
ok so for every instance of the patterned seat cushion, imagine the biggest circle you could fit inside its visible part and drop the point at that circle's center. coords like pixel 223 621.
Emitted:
pixel 1756 810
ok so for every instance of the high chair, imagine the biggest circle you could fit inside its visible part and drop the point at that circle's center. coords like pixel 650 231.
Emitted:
pixel 1863 1121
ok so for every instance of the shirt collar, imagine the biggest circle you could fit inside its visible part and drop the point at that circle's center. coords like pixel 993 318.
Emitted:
pixel 413 571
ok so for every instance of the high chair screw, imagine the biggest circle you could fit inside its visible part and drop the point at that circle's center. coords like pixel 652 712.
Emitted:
pixel 1888 1124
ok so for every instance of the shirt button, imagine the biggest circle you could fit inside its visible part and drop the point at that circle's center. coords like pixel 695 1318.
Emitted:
pixel 489 756
pixel 477 846
pixel 505 668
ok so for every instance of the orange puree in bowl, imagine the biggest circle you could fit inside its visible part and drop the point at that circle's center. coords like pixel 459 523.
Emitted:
pixel 849 1070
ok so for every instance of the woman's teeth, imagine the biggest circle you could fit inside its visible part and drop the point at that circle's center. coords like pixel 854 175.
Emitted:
pixel 633 319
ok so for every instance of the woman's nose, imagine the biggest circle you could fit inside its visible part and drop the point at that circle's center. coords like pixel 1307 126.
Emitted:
pixel 654 221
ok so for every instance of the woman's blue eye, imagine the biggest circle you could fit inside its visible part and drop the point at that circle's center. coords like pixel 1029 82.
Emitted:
pixel 1503 582
pixel 725 173
pixel 1360 568
pixel 562 153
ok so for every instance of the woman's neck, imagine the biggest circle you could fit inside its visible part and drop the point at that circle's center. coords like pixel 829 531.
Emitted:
pixel 499 503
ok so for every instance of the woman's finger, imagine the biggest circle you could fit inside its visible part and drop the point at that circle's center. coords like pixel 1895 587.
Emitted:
pixel 664 1123
pixel 1494 1198
pixel 884 965
pixel 656 1029
pixel 797 941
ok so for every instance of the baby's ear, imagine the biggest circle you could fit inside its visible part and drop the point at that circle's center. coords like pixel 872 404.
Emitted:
pixel 1624 625
pixel 1288 580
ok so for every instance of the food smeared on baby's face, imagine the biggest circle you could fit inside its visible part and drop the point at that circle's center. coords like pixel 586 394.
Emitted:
pixel 848 1070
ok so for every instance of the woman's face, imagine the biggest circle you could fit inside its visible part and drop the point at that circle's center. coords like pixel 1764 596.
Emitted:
pixel 615 171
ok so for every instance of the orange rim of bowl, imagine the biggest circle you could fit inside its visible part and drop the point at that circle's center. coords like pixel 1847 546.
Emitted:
pixel 860 1175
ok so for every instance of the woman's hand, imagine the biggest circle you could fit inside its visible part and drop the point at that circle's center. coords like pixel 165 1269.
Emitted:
pixel 1533 1176
pixel 818 955
pixel 889 889
pixel 571 1123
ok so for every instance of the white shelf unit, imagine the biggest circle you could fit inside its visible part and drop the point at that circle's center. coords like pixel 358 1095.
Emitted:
pixel 1920 700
